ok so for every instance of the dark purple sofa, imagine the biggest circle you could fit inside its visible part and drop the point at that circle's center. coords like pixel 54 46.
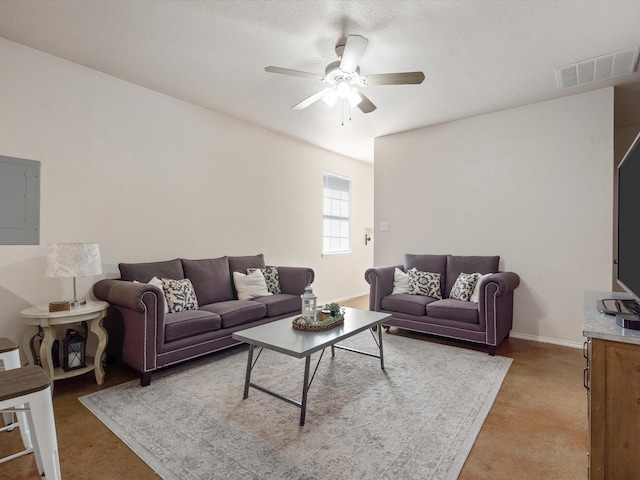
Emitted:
pixel 487 322
pixel 146 338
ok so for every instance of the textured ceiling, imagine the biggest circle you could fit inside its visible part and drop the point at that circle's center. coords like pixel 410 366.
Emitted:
pixel 477 56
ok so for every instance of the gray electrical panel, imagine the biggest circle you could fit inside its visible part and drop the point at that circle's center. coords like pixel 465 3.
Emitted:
pixel 19 201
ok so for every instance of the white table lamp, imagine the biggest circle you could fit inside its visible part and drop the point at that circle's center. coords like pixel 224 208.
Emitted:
pixel 73 260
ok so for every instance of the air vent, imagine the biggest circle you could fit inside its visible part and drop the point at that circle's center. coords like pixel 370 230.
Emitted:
pixel 598 69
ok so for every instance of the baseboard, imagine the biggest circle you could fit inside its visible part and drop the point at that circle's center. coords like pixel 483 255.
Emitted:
pixel 555 341
pixel 350 297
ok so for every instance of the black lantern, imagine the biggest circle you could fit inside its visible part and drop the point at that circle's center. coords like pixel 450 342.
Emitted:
pixel 74 350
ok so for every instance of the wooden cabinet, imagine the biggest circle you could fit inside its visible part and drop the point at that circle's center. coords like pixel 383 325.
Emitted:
pixel 612 378
pixel 614 410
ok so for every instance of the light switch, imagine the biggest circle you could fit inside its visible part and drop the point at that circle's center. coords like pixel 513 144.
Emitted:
pixel 384 226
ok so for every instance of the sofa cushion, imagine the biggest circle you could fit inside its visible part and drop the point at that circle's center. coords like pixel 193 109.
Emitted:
pixel 237 312
pixel 456 264
pixel 426 263
pixel 143 272
pixel 424 283
pixel 241 264
pixel 251 285
pixel 210 278
pixel 179 294
pixel 463 288
pixel 281 303
pixel 457 310
pixel 189 323
pixel 406 303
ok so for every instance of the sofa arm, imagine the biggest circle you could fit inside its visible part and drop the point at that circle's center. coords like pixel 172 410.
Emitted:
pixel 136 327
pixel 496 306
pixel 124 294
pixel 380 280
pixel 505 281
pixel 293 280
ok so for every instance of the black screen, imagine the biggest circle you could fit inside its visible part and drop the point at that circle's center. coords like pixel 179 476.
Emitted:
pixel 629 220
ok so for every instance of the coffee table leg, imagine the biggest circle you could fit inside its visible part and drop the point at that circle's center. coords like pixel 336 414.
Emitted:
pixel 247 377
pixel 380 341
pixel 305 389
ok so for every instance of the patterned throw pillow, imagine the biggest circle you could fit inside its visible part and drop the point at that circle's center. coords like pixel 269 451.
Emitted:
pixel 463 288
pixel 424 283
pixel 271 276
pixel 180 295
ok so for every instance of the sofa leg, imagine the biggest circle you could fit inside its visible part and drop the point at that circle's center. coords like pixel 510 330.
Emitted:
pixel 145 379
pixel 386 328
pixel 492 350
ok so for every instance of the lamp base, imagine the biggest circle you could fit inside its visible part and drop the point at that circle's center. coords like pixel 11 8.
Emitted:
pixel 78 303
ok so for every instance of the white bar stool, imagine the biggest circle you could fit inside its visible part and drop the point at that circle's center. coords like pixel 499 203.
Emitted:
pixel 28 390
pixel 10 356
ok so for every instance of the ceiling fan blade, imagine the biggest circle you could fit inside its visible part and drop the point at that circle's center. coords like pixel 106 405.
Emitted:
pixel 404 78
pixel 365 105
pixel 312 99
pixel 353 50
pixel 295 73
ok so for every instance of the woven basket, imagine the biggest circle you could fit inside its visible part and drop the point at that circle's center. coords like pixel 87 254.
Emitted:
pixel 316 328
pixel 59 306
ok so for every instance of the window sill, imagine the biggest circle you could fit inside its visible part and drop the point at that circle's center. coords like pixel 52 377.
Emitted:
pixel 336 254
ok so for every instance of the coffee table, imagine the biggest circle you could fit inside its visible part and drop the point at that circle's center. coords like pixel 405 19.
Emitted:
pixel 280 336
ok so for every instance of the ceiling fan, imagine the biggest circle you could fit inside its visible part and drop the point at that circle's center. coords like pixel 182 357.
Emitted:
pixel 343 77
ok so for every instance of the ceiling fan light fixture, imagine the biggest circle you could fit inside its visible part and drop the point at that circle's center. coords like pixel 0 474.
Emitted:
pixel 354 98
pixel 342 78
pixel 330 98
pixel 343 89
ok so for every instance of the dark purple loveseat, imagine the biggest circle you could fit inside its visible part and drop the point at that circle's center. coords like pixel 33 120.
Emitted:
pixel 146 338
pixel 488 322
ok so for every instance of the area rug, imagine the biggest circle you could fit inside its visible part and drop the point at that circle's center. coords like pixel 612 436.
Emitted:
pixel 417 419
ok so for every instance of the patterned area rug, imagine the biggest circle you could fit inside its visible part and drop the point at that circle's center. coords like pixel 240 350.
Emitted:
pixel 418 419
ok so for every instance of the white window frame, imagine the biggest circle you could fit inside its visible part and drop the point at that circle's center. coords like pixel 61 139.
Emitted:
pixel 336 214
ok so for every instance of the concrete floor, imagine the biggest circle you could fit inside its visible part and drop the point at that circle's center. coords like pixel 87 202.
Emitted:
pixel 537 428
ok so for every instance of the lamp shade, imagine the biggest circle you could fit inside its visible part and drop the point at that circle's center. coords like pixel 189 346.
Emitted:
pixel 73 260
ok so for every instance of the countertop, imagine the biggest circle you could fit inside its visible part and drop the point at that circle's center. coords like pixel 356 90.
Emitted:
pixel 600 325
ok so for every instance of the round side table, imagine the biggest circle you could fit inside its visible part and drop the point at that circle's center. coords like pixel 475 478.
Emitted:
pixel 39 318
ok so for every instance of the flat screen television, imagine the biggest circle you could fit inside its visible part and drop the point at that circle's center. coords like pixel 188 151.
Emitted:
pixel 628 237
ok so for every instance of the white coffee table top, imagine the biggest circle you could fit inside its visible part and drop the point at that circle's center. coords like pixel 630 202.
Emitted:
pixel 282 337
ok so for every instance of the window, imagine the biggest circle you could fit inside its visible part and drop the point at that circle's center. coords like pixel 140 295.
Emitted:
pixel 336 214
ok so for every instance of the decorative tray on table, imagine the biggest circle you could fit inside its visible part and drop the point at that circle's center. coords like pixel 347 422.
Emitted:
pixel 326 319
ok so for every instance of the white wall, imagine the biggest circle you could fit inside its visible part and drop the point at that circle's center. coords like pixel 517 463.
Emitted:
pixel 151 178
pixel 531 184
